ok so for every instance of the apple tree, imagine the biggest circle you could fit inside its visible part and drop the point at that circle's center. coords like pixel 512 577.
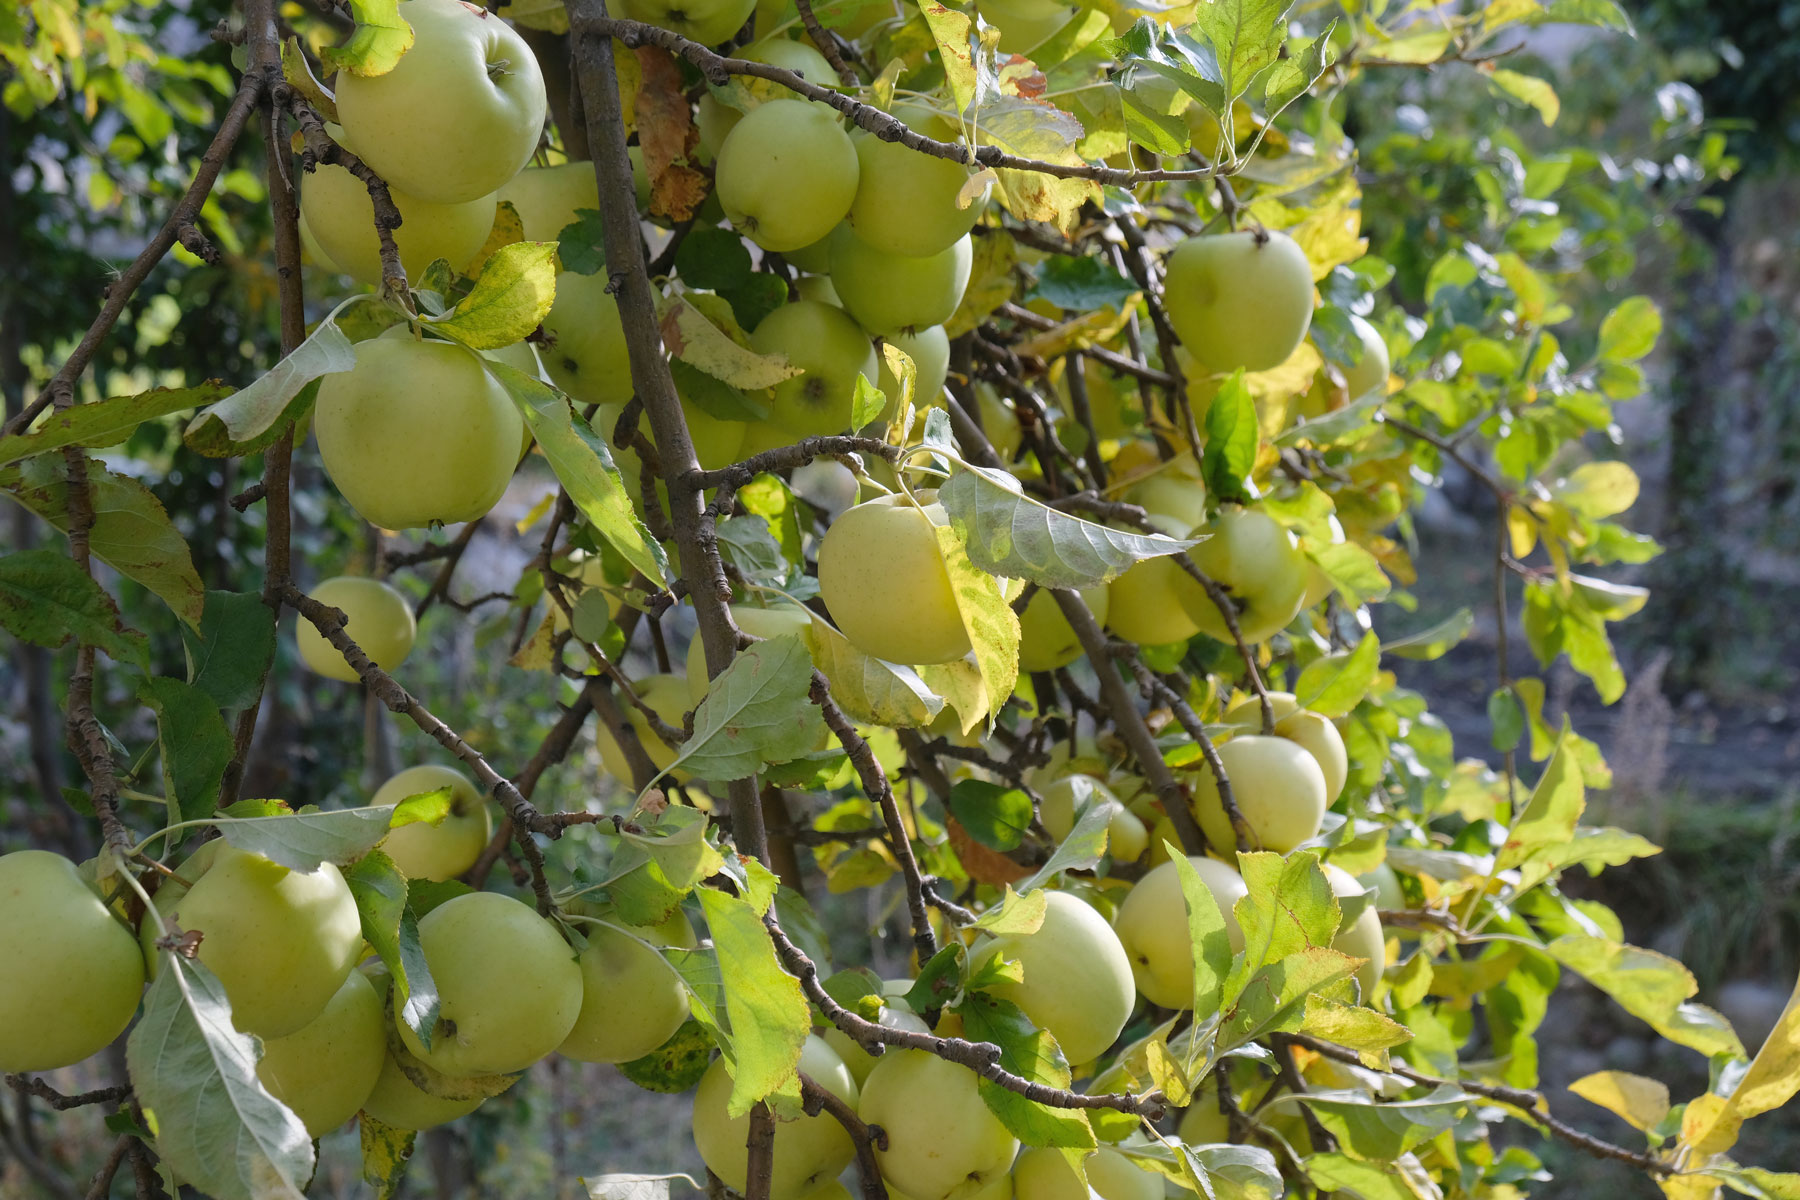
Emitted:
pixel 965 452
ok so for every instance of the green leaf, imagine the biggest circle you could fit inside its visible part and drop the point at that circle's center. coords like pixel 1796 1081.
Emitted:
pixel 1555 808
pixel 690 334
pixel 1031 1053
pixel 46 599
pixel 1012 535
pixel 511 297
pixel 868 689
pixel 252 417
pixel 1629 331
pixel 584 466
pixel 1335 684
pixel 1361 1029
pixel 195 744
pixel 677 845
pixel 1235 1172
pixel 1206 933
pixel 229 654
pixel 951 29
pixel 1015 914
pixel 676 1065
pixel 992 625
pixel 195 1076
pixel 1384 1131
pixel 1246 36
pixel 581 244
pixel 713 260
pixel 1353 571
pixel 1431 644
pixel 1292 77
pixel 374 47
pixel 107 422
pixel 1231 434
pixel 1086 841
pixel 1598 489
pixel 302 841
pixel 1341 1174
pixel 1643 1103
pixel 385 1153
pixel 1274 998
pixel 1529 89
pixel 1289 907
pixel 867 403
pixel 132 533
pixel 756 711
pixel 1082 284
pixel 1650 986
pixel 995 815
pixel 769 1016
pixel 1506 718
pixel 392 931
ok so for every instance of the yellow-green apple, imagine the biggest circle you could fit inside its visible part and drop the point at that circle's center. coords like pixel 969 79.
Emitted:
pixel 943 1142
pixel 808 1152
pixel 1309 729
pixel 443 851
pixel 460 113
pixel 399 1102
pixel 1278 786
pixel 832 349
pixel 417 432
pixel 775 621
pixel 1126 837
pixel 814 259
pixel 1025 25
pixel 818 287
pixel 906 202
pixel 667 696
pixel 326 1069
pixel 1388 892
pixel 1258 563
pixel 708 22
pixel 1144 604
pixel 1042 1173
pixel 1361 936
pixel 1152 926
pixel 884 582
pixel 1046 640
pixel 929 350
pixel 337 213
pixel 1056 803
pixel 632 1000
pixel 585 342
pixel 280 941
pixel 549 199
pixel 858 1060
pixel 1077 985
pixel 378 620
pixel 1239 299
pixel 74 973
pixel 786 174
pixel 892 293
pixel 508 986
pixel 1370 371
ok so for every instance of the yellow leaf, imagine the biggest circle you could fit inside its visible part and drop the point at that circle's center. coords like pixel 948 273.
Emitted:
pixel 1642 1102
pixel 1710 1125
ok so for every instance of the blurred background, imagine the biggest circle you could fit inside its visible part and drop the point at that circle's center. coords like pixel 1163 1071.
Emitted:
pixel 1696 121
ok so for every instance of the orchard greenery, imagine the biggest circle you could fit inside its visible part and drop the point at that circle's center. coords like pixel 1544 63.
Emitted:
pixel 1019 410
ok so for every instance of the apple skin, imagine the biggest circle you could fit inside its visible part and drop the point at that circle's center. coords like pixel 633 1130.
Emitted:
pixel 632 1001
pixel 1056 803
pixel 859 1060
pixel 884 582
pixel 1042 1173
pixel 1388 892
pixel 708 22
pixel 75 972
pixel 776 621
pixel 459 114
pixel 786 174
pixel 1152 926
pixel 379 621
pixel 1144 605
pixel 809 1152
pixel 548 198
pixel 1078 984
pixel 1360 938
pixel 1259 563
pixel 1278 786
pixel 930 351
pixel 943 1142
pixel 325 1070
pixel 338 215
pixel 667 695
pixel 586 354
pixel 281 942
pixel 445 850
pixel 1239 299
pixel 891 293
pixel 508 984
pixel 906 201
pixel 1320 737
pixel 1126 837
pixel 1202 1124
pixel 399 1102
pixel 832 349
pixel 1046 640
pixel 1370 372
pixel 417 432
pixel 1025 24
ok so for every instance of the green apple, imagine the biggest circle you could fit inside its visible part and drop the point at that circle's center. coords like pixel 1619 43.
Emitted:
pixel 943 1141
pixel 585 341
pixel 787 174
pixel 1046 640
pixel 1239 299
pixel 1320 737
pixel 1144 604
pixel 708 22
pixel 717 440
pixel 338 215
pixel 929 350
pixel 1042 1173
pixel 809 1151
pixel 715 121
pixel 1025 24
pixel 883 580
pixel 1370 372
pixel 1077 985
pixel 832 349
pixel 399 1102
pixel 818 287
pixel 417 433
pixel 632 1001
pixel 280 941
pixel 1202 1123
pixel 1152 926
pixel 327 1068
pixel 1174 500
pixel 814 259
pixel 667 696
pixel 792 55
pixel 1126 837
pixel 378 620
pixel 460 113
pixel 776 621
pixel 74 972
pixel 891 293
pixel 1361 937
pixel 1056 802
pixel 1278 786
pixel 906 202
pixel 1386 883
pixel 443 851
pixel 998 421
pixel 549 199
pixel 508 986
pixel 858 1060
pixel 1258 563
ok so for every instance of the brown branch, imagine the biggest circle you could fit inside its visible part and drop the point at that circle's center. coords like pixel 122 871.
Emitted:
pixel 784 458
pixel 1106 510
pixel 321 148
pixel 759 1146
pixel 101 1186
pixel 875 783
pixel 1073 369
pixel 1157 689
pixel 1123 364
pixel 1227 607
pixel 440 585
pixel 827 43
pixel 867 1138
pixel 1450 450
pixel 31 1086
pixel 553 749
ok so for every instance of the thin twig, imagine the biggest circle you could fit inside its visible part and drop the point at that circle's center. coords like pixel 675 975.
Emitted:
pixel 32 1086
pixel 1157 689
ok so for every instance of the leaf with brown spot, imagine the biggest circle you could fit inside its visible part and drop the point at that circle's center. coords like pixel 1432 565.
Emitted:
pixel 982 864
pixel 666 133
